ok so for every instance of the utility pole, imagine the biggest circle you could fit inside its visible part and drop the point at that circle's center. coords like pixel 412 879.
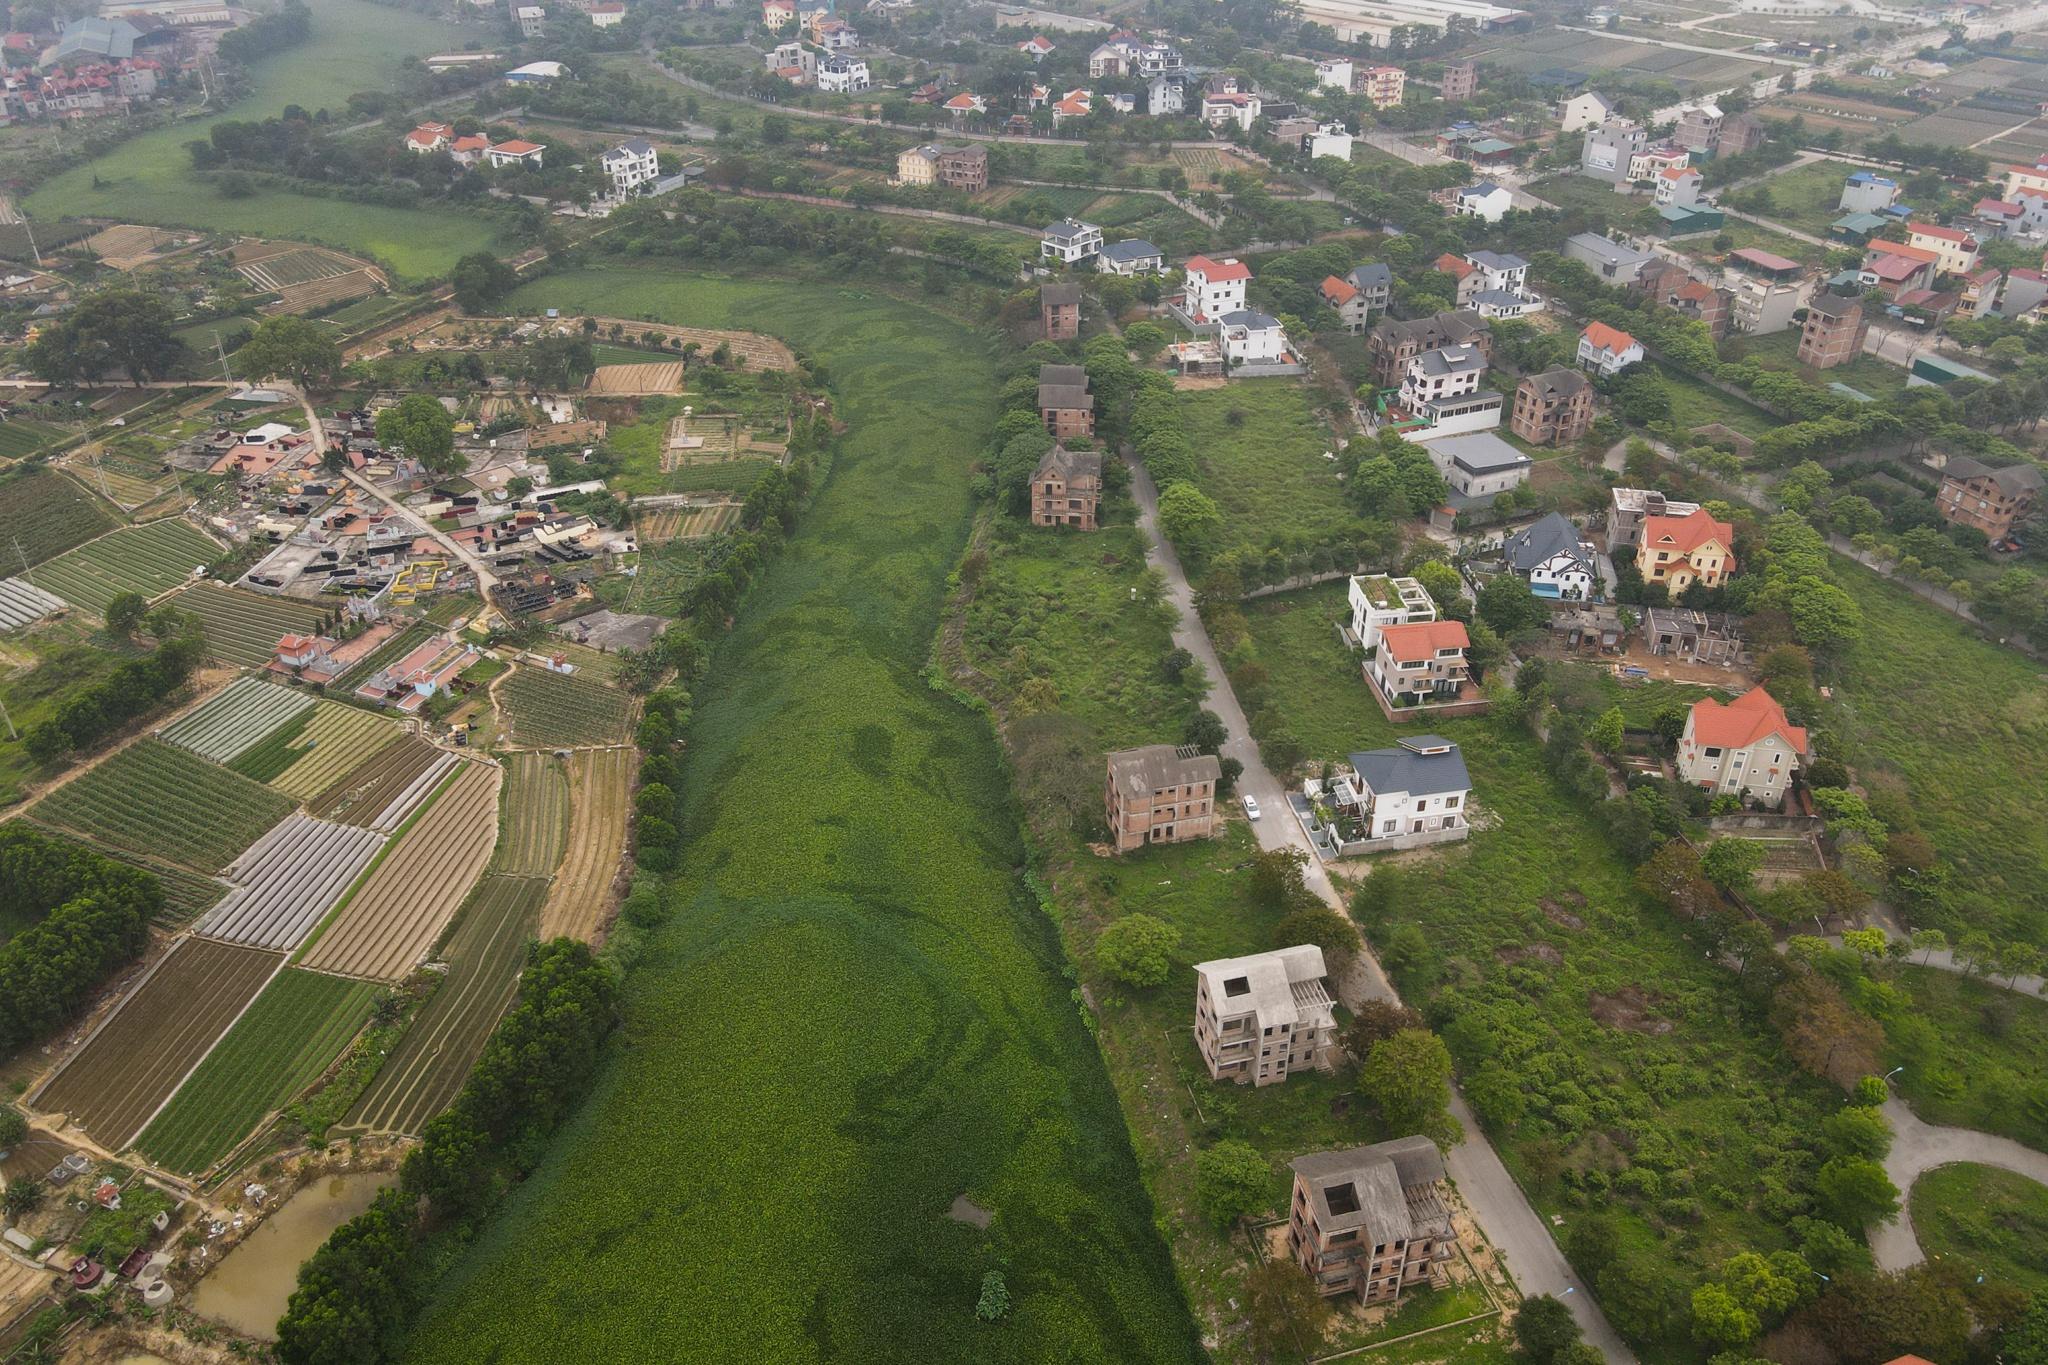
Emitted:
pixel 12 733
pixel 222 352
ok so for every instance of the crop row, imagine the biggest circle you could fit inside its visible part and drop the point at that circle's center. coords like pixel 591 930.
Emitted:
pixel 550 710
pixel 113 1084
pixel 244 627
pixel 398 912
pixel 43 514
pixel 22 603
pixel 274 1051
pixel 484 956
pixel 148 559
pixel 289 879
pixel 600 784
pixel 335 740
pixel 235 719
pixel 535 820
pixel 366 793
pixel 154 799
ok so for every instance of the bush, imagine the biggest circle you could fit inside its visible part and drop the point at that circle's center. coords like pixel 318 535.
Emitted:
pixel 1137 950
pixel 1231 1181
pixel 995 1297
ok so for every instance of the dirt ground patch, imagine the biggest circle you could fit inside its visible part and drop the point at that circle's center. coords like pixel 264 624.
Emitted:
pixel 658 376
pixel 1630 1008
pixel 1545 953
pixel 1561 917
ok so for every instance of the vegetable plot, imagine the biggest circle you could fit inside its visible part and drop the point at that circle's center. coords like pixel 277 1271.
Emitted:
pixel 600 782
pixel 287 880
pixel 536 817
pixel 235 719
pixel 554 710
pixel 161 802
pixel 149 559
pixel 335 740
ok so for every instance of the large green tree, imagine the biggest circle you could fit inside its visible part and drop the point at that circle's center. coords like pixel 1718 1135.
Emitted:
pixel 480 280
pixel 1408 1076
pixel 422 428
pixel 115 330
pixel 1231 1181
pixel 298 348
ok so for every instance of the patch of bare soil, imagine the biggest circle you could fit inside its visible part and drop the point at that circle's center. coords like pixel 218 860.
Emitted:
pixel 1629 1008
pixel 1545 953
pixel 1561 917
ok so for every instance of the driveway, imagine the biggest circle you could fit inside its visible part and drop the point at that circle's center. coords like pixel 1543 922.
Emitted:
pixel 1919 1147
pixel 1518 1232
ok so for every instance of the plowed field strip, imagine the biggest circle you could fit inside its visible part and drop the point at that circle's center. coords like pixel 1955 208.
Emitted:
pixel 112 1085
pixel 399 910
pixel 536 817
pixel 160 801
pixel 599 783
pixel 335 740
pixel 360 794
pixel 434 1057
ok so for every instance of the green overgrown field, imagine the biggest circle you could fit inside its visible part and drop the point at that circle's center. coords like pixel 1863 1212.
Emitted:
pixel 1779 351
pixel 1059 606
pixel 1265 466
pixel 1626 1073
pixel 1972 1054
pixel 276 1049
pixel 853 938
pixel 1965 723
pixel 21 436
pixel 43 514
pixel 37 674
pixel 1695 405
pixel 155 800
pixel 355 46
pixel 1991 1221
pixel 1748 234
pixel 1807 197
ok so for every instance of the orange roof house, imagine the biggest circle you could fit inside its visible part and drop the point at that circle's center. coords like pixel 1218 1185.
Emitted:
pixel 1423 639
pixel 1681 551
pixel 1337 292
pixel 1747 748
pixel 1219 272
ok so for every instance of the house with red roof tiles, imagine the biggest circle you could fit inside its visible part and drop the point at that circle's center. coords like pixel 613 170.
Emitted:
pixel 1681 551
pixel 1421 662
pixel 1745 748
pixel 1214 288
pixel 515 152
pixel 1955 250
pixel 1607 349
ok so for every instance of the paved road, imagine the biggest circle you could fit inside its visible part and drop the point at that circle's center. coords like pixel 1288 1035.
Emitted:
pixel 1919 1147
pixel 1518 1232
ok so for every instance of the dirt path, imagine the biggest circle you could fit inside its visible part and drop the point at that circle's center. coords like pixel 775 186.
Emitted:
pixel 207 680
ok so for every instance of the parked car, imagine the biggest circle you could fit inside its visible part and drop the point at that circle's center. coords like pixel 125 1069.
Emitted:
pixel 1251 807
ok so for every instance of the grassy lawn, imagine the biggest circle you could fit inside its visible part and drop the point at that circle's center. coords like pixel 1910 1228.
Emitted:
pixel 1990 1220
pixel 355 46
pixel 1965 724
pixel 1695 404
pixel 1259 446
pixel 1972 1054
pixel 1588 195
pixel 1686 1122
pixel 37 674
pixel 1807 197
pixel 859 1012
pixel 1778 351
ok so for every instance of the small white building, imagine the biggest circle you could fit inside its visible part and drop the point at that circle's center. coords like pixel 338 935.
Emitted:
pixel 1330 139
pixel 1444 373
pixel 607 15
pixel 1587 109
pixel 1132 256
pixel 1070 241
pixel 1335 74
pixel 1608 350
pixel 1554 560
pixel 514 152
pixel 630 165
pixel 533 21
pixel 1478 466
pixel 844 75
pixel 1378 601
pixel 1485 201
pixel 1253 338
pixel 1506 272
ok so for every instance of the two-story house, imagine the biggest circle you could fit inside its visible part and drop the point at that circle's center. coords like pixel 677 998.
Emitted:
pixel 1990 500
pixel 1066 488
pixel 1379 601
pixel 1161 794
pixel 1552 408
pixel 1418 787
pixel 1681 551
pixel 1588 109
pixel 1070 241
pixel 1955 250
pixel 1746 748
pixel 1371 1221
pixel 1607 349
pixel 1420 662
pixel 1479 467
pixel 630 165
pixel 1614 262
pixel 1445 373
pixel 1064 403
pixel 1249 337
pixel 1391 344
pixel 1132 256
pixel 1261 1018
pixel 1212 288
pixel 1554 559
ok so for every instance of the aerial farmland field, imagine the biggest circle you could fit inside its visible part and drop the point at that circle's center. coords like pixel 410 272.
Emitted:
pixel 154 799
pixel 235 719
pixel 380 790
pixel 484 956
pixel 243 627
pixel 553 710
pixel 398 912
pixel 600 789
pixel 112 1085
pixel 287 880
pixel 335 739
pixel 535 822
pixel 276 1049
pixel 45 514
pixel 150 559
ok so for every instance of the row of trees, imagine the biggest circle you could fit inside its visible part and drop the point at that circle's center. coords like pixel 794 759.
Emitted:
pixel 93 711
pixel 95 917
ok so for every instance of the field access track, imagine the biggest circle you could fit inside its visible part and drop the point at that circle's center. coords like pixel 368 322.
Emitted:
pixel 398 912
pixel 535 823
pixel 235 719
pixel 378 791
pixel 275 1050
pixel 115 1083
pixel 600 787
pixel 434 1057
pixel 288 880
pixel 158 801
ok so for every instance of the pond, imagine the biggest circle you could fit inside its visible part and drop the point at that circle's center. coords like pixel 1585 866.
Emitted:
pixel 250 1287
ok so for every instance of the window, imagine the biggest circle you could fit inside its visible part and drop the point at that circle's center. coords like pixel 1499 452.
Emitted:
pixel 1451 802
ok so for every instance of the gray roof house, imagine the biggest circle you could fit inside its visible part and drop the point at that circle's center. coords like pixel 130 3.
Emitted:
pixel 1375 277
pixel 113 39
pixel 1371 1221
pixel 2013 480
pixel 1494 260
pixel 1613 262
pixel 1478 466
pixel 1132 256
pixel 1421 765
pixel 1556 563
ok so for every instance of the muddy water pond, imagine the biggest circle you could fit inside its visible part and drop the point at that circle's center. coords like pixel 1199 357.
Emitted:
pixel 249 1288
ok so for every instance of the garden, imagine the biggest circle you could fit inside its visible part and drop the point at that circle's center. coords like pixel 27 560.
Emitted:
pixel 158 801
pixel 43 514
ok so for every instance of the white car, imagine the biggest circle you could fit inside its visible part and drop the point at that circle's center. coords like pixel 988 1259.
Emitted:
pixel 1251 807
